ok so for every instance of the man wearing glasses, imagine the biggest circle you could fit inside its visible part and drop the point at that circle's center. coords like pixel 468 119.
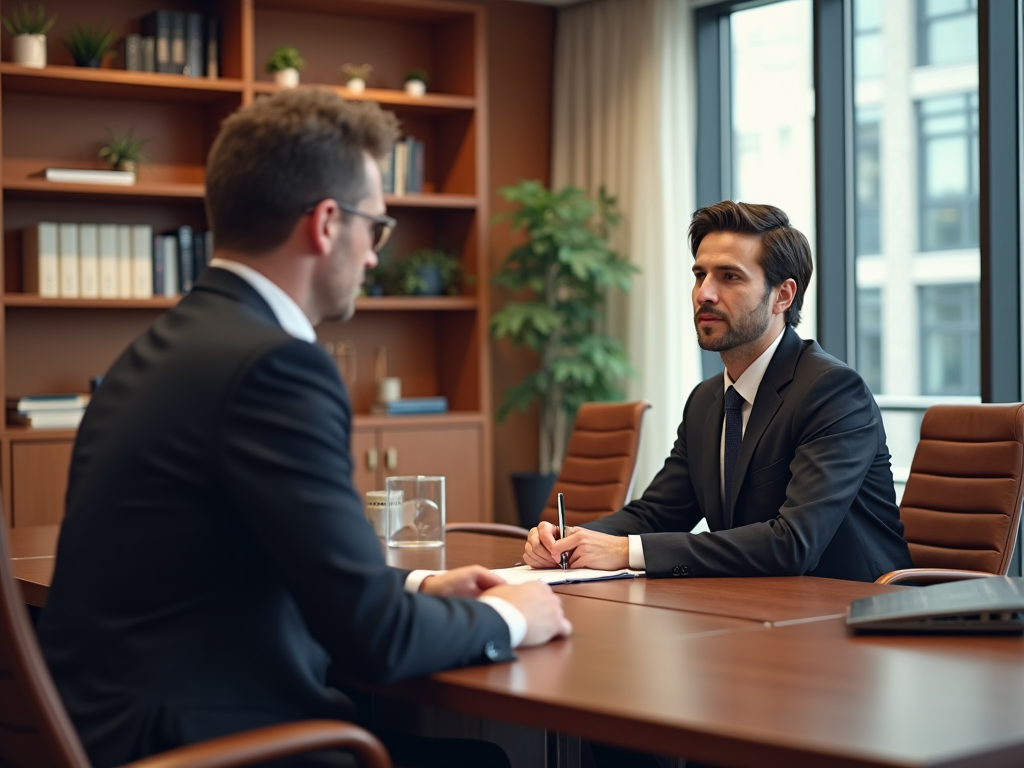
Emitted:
pixel 215 555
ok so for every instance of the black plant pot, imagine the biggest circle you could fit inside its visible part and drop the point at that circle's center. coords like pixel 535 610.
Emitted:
pixel 531 491
pixel 93 63
pixel 430 278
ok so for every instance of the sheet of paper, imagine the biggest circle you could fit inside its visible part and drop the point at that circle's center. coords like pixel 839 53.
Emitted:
pixel 521 574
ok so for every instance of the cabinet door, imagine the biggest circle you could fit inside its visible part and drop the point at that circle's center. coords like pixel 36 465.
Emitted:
pixel 365 461
pixel 39 481
pixel 455 451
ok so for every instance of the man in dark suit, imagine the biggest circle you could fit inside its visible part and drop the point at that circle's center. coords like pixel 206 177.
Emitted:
pixel 215 555
pixel 784 454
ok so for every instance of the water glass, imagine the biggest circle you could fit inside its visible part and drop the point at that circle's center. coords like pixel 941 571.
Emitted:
pixel 415 506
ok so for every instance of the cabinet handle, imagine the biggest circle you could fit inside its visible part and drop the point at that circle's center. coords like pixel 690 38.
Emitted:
pixel 371 459
pixel 391 458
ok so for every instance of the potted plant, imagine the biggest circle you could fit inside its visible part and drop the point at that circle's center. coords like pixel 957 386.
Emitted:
pixel 28 35
pixel 560 277
pixel 428 272
pixel 356 76
pixel 88 43
pixel 284 64
pixel 416 82
pixel 123 151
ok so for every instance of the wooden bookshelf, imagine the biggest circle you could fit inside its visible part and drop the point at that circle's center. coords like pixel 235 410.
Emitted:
pixel 58 116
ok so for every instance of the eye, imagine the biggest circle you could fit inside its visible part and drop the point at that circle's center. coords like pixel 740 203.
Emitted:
pixel 698 276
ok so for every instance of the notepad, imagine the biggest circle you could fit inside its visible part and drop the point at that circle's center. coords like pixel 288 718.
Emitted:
pixel 521 574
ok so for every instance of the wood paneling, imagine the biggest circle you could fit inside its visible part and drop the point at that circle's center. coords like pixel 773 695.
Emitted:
pixel 40 481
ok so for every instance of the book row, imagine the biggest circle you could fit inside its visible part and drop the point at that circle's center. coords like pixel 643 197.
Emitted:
pixel 177 43
pixel 402 168
pixel 111 261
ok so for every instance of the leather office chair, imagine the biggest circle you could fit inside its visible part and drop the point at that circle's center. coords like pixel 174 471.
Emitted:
pixel 36 731
pixel 962 504
pixel 598 470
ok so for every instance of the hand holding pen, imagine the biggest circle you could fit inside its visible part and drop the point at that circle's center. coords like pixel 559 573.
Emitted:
pixel 561 530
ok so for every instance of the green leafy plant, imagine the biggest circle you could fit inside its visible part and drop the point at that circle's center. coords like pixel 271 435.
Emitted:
pixel 416 74
pixel 412 274
pixel 123 151
pixel 26 22
pixel 560 277
pixel 88 43
pixel 356 71
pixel 285 57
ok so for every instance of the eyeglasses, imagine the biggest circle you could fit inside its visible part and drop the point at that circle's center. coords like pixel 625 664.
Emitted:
pixel 381 228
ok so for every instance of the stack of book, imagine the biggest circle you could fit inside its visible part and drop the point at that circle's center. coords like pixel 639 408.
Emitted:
pixel 175 43
pixel 111 261
pixel 47 411
pixel 409 406
pixel 402 168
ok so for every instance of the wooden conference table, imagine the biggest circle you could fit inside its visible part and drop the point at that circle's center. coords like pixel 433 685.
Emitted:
pixel 738 672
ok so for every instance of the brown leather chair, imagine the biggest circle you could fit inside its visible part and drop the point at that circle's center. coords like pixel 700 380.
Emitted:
pixel 36 731
pixel 598 470
pixel 961 507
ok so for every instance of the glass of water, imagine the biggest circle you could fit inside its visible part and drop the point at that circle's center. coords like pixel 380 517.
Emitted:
pixel 415 508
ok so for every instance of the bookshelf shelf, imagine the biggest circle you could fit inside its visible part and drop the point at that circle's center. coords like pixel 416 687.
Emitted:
pixel 416 303
pixel 34 300
pixel 26 434
pixel 399 101
pixel 431 201
pixel 115 83
pixel 22 177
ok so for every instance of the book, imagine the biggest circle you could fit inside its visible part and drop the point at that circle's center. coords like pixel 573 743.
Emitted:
pixel 132 53
pixel 47 419
pixel 40 269
pixel 142 261
pixel 90 176
pixel 124 261
pixel 157 25
pixel 159 265
pixel 199 252
pixel 147 53
pixel 173 285
pixel 177 42
pixel 411 406
pixel 195 43
pixel 58 402
pixel 107 250
pixel 212 47
pixel 522 574
pixel 186 258
pixel 88 261
pixel 67 260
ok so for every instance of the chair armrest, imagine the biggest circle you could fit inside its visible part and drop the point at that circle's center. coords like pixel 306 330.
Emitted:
pixel 492 529
pixel 271 742
pixel 930 575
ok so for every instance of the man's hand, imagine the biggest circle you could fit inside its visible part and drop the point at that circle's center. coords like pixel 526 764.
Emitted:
pixel 468 581
pixel 539 545
pixel 590 549
pixel 542 608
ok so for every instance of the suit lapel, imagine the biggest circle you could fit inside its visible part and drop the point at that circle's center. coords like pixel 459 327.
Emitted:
pixel 766 404
pixel 712 460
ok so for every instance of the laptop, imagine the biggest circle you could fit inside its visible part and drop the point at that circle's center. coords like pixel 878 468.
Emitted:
pixel 993 605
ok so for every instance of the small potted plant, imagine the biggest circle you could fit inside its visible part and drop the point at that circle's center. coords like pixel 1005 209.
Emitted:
pixel 356 76
pixel 28 35
pixel 284 64
pixel 416 82
pixel 88 43
pixel 429 272
pixel 123 151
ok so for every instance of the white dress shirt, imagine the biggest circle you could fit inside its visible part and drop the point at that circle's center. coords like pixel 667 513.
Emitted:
pixel 295 323
pixel 746 385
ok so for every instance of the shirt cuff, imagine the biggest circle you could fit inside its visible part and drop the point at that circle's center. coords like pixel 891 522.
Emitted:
pixel 415 579
pixel 636 554
pixel 512 616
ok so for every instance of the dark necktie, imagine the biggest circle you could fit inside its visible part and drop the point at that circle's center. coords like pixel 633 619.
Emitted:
pixel 733 437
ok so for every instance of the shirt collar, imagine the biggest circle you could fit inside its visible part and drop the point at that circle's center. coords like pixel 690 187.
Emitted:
pixel 750 379
pixel 292 319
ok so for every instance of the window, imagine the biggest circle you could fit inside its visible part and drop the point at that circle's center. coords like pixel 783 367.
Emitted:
pixel 950 339
pixel 947 31
pixel 867 182
pixel 869 337
pixel 868 55
pixel 948 154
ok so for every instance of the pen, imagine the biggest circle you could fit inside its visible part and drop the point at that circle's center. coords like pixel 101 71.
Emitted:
pixel 561 529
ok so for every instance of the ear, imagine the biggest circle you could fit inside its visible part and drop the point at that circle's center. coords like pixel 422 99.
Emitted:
pixel 322 226
pixel 787 292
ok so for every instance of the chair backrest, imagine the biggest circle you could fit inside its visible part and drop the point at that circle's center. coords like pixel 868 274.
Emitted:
pixel 962 502
pixel 34 728
pixel 600 462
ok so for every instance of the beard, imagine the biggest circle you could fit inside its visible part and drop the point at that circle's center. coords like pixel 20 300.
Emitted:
pixel 741 330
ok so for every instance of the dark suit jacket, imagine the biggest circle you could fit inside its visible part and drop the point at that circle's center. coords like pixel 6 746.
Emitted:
pixel 816 492
pixel 215 554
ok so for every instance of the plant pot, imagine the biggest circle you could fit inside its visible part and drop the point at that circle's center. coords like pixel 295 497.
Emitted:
pixel 29 50
pixel 531 491
pixel 415 87
pixel 430 276
pixel 91 63
pixel 356 85
pixel 127 165
pixel 287 78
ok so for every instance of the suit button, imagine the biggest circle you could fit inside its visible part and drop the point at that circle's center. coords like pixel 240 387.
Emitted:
pixel 685 570
pixel 677 571
pixel 491 650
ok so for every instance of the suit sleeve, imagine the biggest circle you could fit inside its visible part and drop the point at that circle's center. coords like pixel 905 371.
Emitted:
pixel 834 429
pixel 287 471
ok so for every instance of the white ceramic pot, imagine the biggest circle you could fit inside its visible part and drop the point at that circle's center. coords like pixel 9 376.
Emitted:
pixel 356 85
pixel 287 78
pixel 29 50
pixel 415 87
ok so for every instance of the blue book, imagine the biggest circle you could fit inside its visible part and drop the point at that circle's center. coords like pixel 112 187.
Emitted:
pixel 413 405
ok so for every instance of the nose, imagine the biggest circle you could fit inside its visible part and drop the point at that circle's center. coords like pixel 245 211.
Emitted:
pixel 704 292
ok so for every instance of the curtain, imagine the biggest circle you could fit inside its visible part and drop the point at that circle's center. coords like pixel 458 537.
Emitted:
pixel 624 118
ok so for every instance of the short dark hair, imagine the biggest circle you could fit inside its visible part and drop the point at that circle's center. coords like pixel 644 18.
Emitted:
pixel 283 153
pixel 785 252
